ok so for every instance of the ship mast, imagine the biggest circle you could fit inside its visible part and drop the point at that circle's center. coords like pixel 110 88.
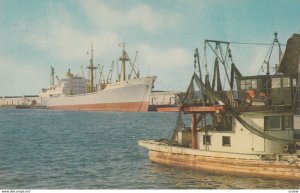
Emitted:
pixel 123 58
pixel 52 77
pixel 91 68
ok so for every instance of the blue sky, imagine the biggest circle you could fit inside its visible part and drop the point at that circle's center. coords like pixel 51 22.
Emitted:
pixel 38 34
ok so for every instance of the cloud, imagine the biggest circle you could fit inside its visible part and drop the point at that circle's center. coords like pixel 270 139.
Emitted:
pixel 61 38
pixel 58 40
pixel 102 15
pixel 141 16
pixel 16 79
pixel 172 65
pixel 144 17
pixel 150 21
pixel 174 57
pixel 64 41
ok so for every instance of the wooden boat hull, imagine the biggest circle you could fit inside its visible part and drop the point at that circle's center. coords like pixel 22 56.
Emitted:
pixel 252 165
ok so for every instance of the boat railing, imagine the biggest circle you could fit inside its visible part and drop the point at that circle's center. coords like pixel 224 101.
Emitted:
pixel 290 158
pixel 255 99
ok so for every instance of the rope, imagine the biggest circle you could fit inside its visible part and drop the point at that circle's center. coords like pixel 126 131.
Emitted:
pixel 255 43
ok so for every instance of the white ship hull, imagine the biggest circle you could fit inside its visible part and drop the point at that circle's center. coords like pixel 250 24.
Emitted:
pixel 131 95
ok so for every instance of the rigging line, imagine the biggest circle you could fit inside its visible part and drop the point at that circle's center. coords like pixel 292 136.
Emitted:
pixel 225 63
pixel 268 53
pixel 167 86
pixel 215 51
pixel 255 43
pixel 162 85
pixel 251 127
pixel 205 59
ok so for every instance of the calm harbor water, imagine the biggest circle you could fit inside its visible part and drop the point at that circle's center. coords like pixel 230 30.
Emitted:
pixel 41 149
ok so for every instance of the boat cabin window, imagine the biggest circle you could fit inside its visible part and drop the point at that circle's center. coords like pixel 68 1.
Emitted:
pixel 287 120
pixel 278 122
pixel 254 84
pixel 286 82
pixel 249 84
pixel 281 82
pixel 272 123
pixel 294 82
pixel 276 82
pixel 206 140
pixel 226 141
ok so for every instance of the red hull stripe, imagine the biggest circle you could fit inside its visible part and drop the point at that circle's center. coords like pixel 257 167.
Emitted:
pixel 124 107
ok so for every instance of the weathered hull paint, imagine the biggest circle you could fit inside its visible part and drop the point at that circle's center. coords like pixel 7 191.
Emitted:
pixel 184 157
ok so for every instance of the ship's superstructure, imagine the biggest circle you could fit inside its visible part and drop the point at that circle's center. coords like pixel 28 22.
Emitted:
pixel 69 85
pixel 74 92
pixel 245 127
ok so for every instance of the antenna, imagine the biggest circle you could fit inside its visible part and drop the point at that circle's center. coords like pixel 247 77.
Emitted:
pixel 82 73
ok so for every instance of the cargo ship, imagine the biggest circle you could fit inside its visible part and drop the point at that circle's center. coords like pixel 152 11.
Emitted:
pixel 248 126
pixel 129 92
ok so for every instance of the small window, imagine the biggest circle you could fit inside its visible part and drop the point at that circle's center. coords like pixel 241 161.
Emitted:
pixel 294 82
pixel 226 141
pixel 272 123
pixel 286 82
pixel 254 84
pixel 243 84
pixel 249 84
pixel 287 120
pixel 206 140
pixel 276 82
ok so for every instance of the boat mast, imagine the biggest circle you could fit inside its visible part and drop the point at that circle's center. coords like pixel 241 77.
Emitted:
pixel 123 58
pixel 91 68
pixel 52 77
pixel 269 54
pixel 271 49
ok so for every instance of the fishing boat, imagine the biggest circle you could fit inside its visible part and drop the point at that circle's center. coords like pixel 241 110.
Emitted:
pixel 129 92
pixel 248 126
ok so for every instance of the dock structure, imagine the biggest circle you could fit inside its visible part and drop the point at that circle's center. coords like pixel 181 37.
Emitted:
pixel 12 101
pixel 160 99
pixel 31 107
